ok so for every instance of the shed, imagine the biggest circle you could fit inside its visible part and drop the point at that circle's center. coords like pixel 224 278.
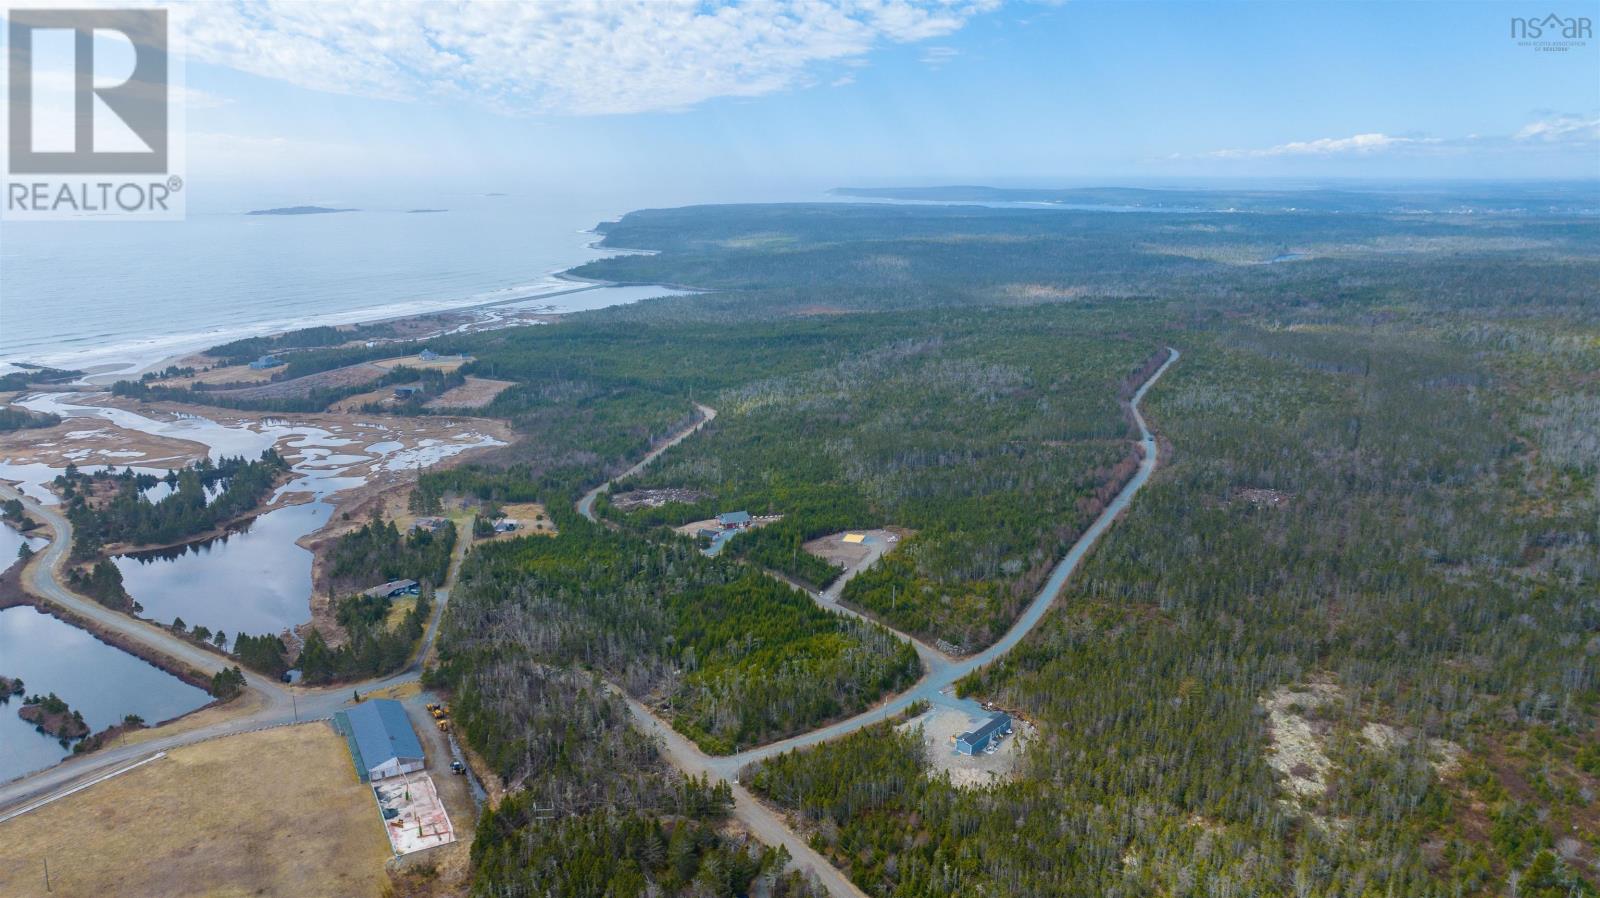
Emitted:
pixel 266 361
pixel 732 519
pixel 507 525
pixel 427 355
pixel 406 392
pixel 382 742
pixel 974 741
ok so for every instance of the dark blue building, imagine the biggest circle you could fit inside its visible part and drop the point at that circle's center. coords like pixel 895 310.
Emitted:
pixel 974 741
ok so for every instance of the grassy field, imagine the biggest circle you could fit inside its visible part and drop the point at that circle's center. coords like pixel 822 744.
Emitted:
pixel 278 812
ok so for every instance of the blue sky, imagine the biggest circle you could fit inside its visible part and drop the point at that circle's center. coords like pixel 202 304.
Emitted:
pixel 884 91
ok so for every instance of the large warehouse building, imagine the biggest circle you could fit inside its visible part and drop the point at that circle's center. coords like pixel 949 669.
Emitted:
pixel 381 739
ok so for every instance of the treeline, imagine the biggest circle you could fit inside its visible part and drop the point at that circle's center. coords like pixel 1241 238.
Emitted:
pixel 30 375
pixel 22 419
pixel 378 552
pixel 102 581
pixel 240 352
pixel 248 398
pixel 373 648
pixel 193 507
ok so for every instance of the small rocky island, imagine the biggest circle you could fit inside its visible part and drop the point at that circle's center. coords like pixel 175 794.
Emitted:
pixel 9 686
pixel 299 210
pixel 51 716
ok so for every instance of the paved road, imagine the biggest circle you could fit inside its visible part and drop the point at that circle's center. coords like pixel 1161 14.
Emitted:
pixel 281 704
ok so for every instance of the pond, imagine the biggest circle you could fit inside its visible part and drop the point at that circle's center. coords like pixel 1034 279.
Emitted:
pixel 255 580
pixel 100 681
pixel 11 541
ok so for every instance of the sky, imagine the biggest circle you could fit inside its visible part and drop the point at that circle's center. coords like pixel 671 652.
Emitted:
pixel 303 97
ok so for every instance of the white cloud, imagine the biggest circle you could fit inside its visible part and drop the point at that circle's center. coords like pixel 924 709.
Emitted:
pixel 1358 144
pixel 1561 129
pixel 558 56
pixel 1555 131
pixel 934 57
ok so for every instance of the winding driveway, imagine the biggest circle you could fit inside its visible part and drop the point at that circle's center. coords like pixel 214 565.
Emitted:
pixel 940 672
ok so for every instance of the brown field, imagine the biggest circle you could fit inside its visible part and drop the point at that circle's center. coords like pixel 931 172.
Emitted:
pixel 299 387
pixel 353 404
pixel 477 392
pixel 442 363
pixel 279 812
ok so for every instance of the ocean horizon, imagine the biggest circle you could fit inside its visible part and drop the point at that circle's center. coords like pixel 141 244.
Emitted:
pixel 114 298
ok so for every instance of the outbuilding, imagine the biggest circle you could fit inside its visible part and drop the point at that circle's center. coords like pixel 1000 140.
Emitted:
pixel 974 741
pixel 382 742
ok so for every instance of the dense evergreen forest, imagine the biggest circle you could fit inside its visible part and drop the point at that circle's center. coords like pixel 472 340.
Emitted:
pixel 1376 525
pixel 22 419
pixel 595 810
pixel 377 552
pixel 734 658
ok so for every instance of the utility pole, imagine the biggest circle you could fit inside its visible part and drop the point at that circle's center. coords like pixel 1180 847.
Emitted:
pixel 47 875
pixel 296 702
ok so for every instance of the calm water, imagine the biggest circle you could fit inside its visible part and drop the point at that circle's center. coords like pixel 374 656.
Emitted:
pixel 11 541
pixel 102 682
pixel 114 296
pixel 255 581
pixel 181 286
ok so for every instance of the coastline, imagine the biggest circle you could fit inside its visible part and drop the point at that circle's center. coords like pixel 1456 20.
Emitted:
pixel 132 356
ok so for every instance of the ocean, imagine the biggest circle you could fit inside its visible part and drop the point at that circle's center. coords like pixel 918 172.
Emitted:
pixel 114 297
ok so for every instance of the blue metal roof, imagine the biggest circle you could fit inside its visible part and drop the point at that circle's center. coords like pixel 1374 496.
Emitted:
pixel 382 731
pixel 734 517
pixel 997 722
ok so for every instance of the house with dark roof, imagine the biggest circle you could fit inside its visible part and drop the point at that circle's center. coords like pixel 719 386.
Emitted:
pixel 394 589
pixel 382 742
pixel 974 741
